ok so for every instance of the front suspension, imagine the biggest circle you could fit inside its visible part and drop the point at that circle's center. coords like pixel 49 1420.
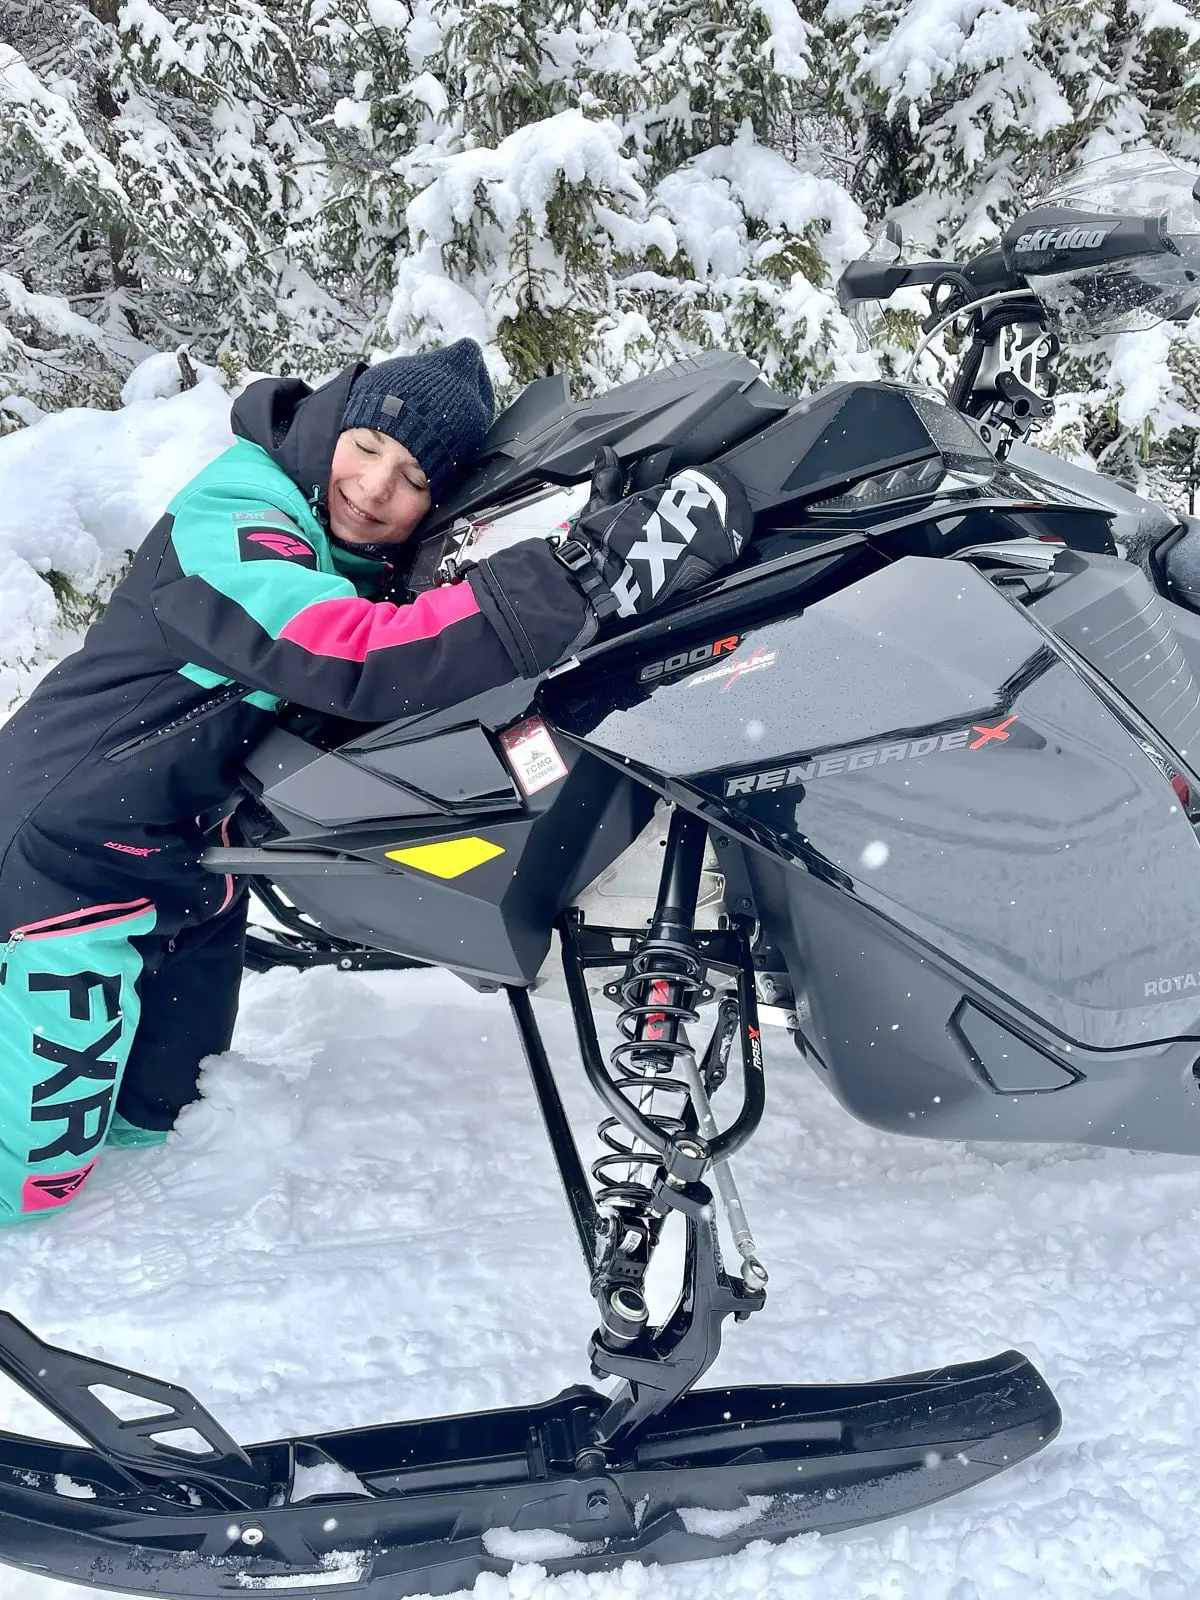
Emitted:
pixel 661 1141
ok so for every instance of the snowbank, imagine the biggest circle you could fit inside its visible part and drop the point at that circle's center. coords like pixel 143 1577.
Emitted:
pixel 79 490
pixel 332 1238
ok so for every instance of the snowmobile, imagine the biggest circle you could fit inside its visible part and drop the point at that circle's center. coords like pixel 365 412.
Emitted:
pixel 920 777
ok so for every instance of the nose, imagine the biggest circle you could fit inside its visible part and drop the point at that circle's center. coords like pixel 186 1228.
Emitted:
pixel 375 481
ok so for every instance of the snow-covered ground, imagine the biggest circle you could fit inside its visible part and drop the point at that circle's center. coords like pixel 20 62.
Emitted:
pixel 361 1221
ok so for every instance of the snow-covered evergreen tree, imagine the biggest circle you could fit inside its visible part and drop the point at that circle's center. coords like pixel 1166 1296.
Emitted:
pixel 594 186
pixel 596 189
pixel 510 193
pixel 154 161
pixel 724 114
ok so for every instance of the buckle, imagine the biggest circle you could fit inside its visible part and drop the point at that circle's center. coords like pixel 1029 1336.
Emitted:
pixel 572 553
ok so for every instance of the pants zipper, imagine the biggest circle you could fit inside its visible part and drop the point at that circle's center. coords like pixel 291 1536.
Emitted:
pixel 69 923
pixel 14 939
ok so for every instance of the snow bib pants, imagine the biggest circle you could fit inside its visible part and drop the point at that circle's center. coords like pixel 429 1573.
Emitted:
pixel 105 1006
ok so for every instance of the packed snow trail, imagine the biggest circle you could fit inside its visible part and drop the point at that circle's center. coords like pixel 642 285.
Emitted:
pixel 361 1222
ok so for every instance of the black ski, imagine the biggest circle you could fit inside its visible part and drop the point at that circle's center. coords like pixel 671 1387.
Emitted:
pixel 439 1501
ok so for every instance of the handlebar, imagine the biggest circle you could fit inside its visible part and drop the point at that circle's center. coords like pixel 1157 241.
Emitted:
pixel 983 275
pixel 1005 378
pixel 1046 241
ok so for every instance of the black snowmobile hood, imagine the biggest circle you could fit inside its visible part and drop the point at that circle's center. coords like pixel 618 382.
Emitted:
pixel 297 426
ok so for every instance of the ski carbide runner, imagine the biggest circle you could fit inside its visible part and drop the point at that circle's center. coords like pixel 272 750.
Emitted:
pixel 442 1497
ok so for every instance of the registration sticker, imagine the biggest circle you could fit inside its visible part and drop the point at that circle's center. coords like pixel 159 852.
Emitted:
pixel 532 755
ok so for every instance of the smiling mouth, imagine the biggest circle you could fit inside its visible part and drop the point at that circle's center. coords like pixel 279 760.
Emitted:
pixel 356 511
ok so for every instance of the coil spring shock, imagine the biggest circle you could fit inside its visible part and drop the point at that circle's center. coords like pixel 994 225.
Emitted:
pixel 658 993
pixel 663 979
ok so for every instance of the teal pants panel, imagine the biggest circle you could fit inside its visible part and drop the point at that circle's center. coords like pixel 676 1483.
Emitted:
pixel 69 1009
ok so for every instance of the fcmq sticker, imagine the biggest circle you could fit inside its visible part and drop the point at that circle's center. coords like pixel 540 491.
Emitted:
pixel 533 755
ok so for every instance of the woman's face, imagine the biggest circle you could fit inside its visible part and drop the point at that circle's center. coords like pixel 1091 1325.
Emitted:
pixel 377 491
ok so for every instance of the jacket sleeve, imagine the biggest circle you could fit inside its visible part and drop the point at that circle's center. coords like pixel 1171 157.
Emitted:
pixel 239 591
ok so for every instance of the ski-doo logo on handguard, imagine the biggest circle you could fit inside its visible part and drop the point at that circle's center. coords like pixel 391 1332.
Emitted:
pixel 1039 240
pixel 683 659
pixel 975 737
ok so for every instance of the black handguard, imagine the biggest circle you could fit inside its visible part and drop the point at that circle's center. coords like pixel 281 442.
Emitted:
pixel 631 557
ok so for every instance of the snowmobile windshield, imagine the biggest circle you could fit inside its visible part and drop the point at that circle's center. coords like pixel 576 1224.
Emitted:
pixel 1116 248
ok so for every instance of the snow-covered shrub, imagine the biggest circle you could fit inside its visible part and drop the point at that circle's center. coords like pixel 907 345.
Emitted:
pixel 80 490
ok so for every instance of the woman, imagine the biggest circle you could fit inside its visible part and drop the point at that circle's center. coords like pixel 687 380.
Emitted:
pixel 121 957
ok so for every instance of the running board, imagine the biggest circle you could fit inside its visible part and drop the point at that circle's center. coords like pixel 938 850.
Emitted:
pixel 165 1503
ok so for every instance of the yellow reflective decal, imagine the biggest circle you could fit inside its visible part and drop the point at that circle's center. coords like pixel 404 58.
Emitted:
pixel 448 859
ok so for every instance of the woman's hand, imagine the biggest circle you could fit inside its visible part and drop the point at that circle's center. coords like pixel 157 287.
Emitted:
pixel 631 556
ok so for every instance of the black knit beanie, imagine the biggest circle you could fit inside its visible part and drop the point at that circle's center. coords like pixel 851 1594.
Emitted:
pixel 439 405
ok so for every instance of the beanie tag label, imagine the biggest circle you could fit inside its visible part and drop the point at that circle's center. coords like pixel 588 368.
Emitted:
pixel 391 405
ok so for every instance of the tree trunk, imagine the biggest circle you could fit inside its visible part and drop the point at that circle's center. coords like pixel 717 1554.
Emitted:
pixel 124 276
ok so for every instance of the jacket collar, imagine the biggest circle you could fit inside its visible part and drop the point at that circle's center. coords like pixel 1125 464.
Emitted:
pixel 298 428
pixel 356 567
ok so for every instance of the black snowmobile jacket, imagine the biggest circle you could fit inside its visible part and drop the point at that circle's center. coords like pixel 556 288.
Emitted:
pixel 237 602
